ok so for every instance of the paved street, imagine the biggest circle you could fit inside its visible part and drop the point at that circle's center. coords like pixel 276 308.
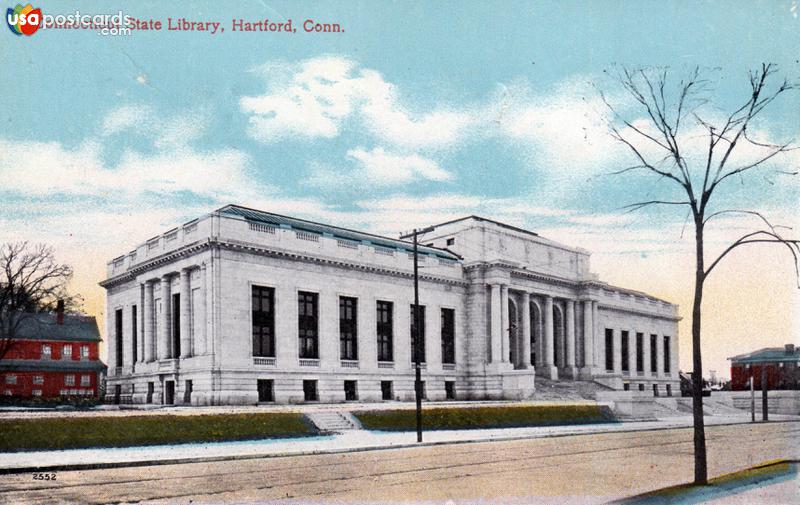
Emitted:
pixel 568 469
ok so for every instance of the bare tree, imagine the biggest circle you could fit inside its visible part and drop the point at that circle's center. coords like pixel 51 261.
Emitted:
pixel 31 281
pixel 674 113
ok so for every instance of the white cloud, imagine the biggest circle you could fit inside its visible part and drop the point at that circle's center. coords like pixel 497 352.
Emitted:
pixel 125 117
pixel 314 98
pixel 385 168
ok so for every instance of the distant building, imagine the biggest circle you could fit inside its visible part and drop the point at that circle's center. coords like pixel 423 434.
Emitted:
pixel 782 368
pixel 242 306
pixel 54 355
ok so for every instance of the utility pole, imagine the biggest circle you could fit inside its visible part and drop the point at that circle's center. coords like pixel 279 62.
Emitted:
pixel 764 406
pixel 418 370
pixel 752 395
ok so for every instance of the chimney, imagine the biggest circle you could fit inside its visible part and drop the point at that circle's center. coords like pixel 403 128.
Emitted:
pixel 789 349
pixel 60 312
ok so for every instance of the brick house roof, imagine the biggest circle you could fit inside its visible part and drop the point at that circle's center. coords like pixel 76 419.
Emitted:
pixel 784 354
pixel 43 326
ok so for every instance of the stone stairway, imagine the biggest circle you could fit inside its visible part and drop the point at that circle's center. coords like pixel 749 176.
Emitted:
pixel 333 421
pixel 549 390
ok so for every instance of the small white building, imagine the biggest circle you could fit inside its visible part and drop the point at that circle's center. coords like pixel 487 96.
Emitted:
pixel 242 306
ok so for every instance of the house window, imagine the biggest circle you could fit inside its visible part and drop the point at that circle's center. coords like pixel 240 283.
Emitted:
pixel 176 325
pixel 386 390
pixel 669 390
pixel 609 350
pixel 310 390
pixel 263 316
pixel 418 331
pixel 666 356
pixel 134 336
pixel 655 389
pixel 85 352
pixel 266 390
pixel 69 380
pixel 639 352
pixel 66 352
pixel 626 366
pixel 450 390
pixel 47 351
pixel 38 380
pixel 448 336
pixel 11 379
pixel 118 337
pixel 653 354
pixel 350 391
pixel 307 304
pixel 37 392
pixel 626 387
pixel 86 380
pixel 384 331
pixel 348 328
pixel 641 387
pixel 151 387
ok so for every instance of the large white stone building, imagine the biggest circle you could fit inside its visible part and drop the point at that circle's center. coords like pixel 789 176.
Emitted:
pixel 242 306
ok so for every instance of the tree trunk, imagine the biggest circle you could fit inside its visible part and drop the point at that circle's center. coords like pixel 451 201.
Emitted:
pixel 700 466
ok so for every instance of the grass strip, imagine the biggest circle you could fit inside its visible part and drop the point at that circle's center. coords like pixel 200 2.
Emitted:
pixel 485 417
pixel 85 432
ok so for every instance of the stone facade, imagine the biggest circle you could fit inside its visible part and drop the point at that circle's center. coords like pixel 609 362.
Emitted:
pixel 521 306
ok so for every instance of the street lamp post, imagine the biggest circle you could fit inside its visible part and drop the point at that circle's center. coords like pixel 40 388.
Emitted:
pixel 418 370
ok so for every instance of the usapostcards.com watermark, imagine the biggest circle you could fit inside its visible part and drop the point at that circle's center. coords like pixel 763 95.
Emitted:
pixel 26 21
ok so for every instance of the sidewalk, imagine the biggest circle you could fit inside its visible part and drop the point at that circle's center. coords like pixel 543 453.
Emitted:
pixel 357 440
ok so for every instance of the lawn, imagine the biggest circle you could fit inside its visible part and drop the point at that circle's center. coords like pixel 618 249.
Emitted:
pixel 485 417
pixel 86 431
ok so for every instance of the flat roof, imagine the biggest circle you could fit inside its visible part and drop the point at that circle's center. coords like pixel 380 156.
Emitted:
pixel 479 218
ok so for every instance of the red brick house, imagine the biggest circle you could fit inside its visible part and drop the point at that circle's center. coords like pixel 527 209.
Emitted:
pixel 782 368
pixel 54 355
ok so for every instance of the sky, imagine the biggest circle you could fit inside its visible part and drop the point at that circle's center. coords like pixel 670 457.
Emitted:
pixel 413 113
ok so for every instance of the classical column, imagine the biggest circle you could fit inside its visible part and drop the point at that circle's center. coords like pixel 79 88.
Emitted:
pixel 164 347
pixel 646 355
pixel 659 356
pixel 496 324
pixel 147 327
pixel 550 369
pixel 618 351
pixel 506 324
pixel 525 361
pixel 200 331
pixel 185 313
pixel 570 337
pixel 588 336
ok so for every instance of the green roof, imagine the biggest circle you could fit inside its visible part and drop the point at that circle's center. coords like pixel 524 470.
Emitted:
pixel 768 354
pixel 53 365
pixel 280 221
pixel 44 326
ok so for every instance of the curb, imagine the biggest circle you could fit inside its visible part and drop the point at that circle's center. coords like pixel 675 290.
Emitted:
pixel 212 459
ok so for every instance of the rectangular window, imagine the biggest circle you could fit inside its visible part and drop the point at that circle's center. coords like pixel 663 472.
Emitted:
pixel 626 366
pixel 609 350
pixel 134 335
pixel 450 390
pixel 653 354
pixel 451 241
pixel 118 337
pixel 669 390
pixel 47 352
pixel 151 387
pixel 310 390
pixel 176 325
pixel 69 380
pixel 37 392
pixel 307 306
pixel 348 328
pixel 641 387
pixel 11 379
pixel 266 390
pixel 448 336
pixel 655 389
pixel 350 391
pixel 385 331
pixel 666 355
pixel 86 380
pixel 386 390
pixel 66 351
pixel 639 352
pixel 85 351
pixel 418 331
pixel 263 317
pixel 626 386
pixel 38 380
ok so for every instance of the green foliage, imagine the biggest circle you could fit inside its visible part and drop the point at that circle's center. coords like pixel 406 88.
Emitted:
pixel 485 417
pixel 117 431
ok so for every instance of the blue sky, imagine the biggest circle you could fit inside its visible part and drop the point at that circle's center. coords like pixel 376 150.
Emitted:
pixel 417 113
